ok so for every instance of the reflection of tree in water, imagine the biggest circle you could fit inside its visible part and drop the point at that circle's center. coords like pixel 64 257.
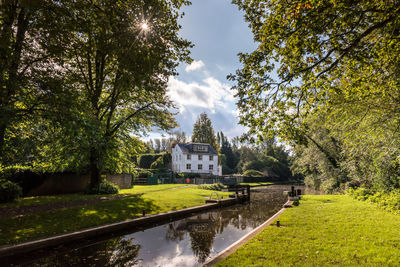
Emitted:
pixel 125 253
pixel 173 233
pixel 203 228
pixel 114 252
pixel 202 234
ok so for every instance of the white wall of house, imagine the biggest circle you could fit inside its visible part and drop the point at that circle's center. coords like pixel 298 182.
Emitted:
pixel 195 162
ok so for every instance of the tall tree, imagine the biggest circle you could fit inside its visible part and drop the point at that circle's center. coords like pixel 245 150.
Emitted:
pixel 30 79
pixel 203 132
pixel 229 164
pixel 122 54
pixel 337 66
pixel 312 43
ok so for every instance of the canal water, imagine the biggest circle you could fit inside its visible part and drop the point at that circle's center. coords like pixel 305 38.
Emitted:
pixel 186 242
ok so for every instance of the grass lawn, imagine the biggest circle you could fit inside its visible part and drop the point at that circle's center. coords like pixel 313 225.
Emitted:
pixel 329 230
pixel 40 200
pixel 153 198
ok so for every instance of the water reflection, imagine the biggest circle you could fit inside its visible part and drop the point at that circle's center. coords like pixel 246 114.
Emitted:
pixel 186 242
pixel 114 252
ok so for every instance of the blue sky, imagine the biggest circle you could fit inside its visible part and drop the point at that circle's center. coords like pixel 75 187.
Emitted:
pixel 219 32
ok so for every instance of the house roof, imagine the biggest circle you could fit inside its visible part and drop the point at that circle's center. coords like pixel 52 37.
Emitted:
pixel 191 149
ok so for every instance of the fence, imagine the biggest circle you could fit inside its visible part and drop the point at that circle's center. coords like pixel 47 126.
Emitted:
pixel 227 180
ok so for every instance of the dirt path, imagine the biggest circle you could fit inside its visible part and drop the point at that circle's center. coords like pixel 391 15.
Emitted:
pixel 27 210
pixel 182 186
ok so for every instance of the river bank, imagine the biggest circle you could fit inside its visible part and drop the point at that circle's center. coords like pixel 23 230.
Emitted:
pixel 322 231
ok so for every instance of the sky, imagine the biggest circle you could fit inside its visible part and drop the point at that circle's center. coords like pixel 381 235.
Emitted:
pixel 219 32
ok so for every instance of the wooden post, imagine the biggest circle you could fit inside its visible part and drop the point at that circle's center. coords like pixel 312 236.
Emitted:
pixel 248 191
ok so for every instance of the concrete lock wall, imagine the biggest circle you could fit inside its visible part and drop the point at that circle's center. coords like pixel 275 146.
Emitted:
pixel 75 183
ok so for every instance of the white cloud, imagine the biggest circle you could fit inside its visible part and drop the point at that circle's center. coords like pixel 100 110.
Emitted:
pixel 211 94
pixel 195 65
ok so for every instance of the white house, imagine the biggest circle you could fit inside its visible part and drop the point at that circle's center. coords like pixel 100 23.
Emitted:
pixel 196 158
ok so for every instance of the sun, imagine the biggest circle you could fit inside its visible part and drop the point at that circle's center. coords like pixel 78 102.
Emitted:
pixel 144 26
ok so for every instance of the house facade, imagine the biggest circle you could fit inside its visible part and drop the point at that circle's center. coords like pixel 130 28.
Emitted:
pixel 196 158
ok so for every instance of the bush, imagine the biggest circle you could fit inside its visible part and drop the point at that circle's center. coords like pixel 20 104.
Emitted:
pixel 23 176
pixel 167 157
pixel 214 187
pixel 146 160
pixel 103 188
pixel 191 175
pixel 9 191
pixel 253 173
pixel 388 200
pixel 179 175
pixel 158 164
pixel 143 173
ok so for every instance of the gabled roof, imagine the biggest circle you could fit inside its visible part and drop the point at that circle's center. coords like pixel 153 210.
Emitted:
pixel 191 149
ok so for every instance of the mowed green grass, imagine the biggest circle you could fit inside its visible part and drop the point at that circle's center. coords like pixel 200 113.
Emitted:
pixel 41 200
pixel 328 230
pixel 153 199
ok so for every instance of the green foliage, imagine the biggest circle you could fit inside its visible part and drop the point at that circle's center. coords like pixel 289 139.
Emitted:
pixel 203 132
pixel 158 163
pixel 9 191
pixel 142 173
pixel 330 90
pixel 229 159
pixel 160 160
pixel 189 175
pixel 82 116
pixel 24 176
pixel 103 188
pixel 146 160
pixel 253 173
pixel 389 200
pixel 213 187
pixel 167 158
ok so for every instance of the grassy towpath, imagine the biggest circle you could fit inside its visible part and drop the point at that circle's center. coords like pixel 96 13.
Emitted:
pixel 326 230
pixel 90 210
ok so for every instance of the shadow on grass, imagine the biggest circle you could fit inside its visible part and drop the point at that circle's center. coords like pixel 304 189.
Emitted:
pixel 49 223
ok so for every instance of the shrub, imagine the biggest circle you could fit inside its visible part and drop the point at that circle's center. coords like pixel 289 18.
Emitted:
pixel 143 173
pixel 189 175
pixel 179 175
pixel 388 200
pixel 23 176
pixel 167 157
pixel 9 191
pixel 214 187
pixel 158 164
pixel 105 187
pixel 253 173
pixel 146 160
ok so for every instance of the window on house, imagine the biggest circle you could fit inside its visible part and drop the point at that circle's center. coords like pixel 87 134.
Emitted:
pixel 179 157
pixel 200 157
pixel 200 167
pixel 211 157
pixel 188 166
pixel 211 167
pixel 200 148
pixel 188 156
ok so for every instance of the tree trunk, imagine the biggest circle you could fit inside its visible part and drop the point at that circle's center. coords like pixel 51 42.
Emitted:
pixel 2 136
pixel 94 167
pixel 331 159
